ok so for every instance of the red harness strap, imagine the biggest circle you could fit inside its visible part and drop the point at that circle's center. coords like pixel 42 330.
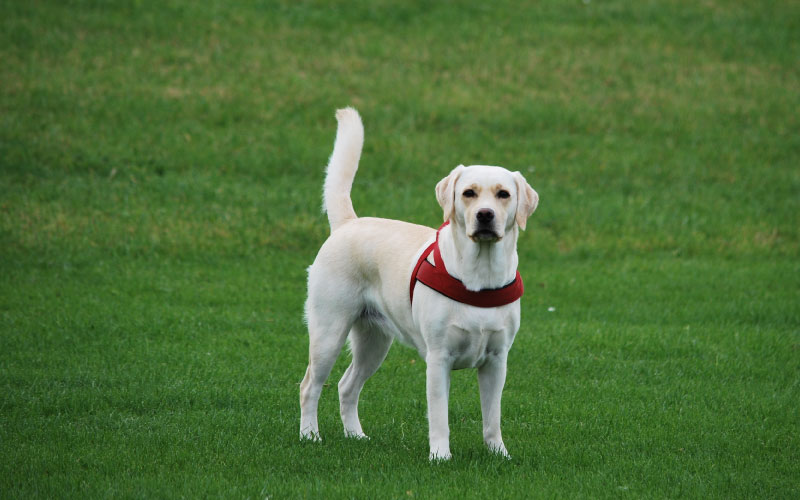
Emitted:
pixel 437 278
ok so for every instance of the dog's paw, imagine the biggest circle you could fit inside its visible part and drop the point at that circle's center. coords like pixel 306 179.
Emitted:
pixel 355 435
pixel 440 454
pixel 499 449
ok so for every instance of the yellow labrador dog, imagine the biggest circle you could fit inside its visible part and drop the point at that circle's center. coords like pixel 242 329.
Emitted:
pixel 360 287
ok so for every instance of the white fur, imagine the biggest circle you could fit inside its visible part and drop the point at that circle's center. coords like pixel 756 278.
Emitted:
pixel 342 168
pixel 358 288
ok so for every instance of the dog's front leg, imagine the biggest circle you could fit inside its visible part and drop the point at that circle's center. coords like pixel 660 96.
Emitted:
pixel 491 378
pixel 438 392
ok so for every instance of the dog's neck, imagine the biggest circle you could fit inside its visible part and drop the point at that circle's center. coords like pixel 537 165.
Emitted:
pixel 479 265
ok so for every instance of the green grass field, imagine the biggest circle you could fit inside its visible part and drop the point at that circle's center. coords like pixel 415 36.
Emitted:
pixel 161 165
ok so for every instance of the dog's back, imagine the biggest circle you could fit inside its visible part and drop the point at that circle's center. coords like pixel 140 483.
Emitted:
pixel 354 258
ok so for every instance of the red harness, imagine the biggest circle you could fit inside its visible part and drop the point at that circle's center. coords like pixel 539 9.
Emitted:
pixel 437 278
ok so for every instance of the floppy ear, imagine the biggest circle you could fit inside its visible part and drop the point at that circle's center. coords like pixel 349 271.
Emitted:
pixel 527 199
pixel 445 192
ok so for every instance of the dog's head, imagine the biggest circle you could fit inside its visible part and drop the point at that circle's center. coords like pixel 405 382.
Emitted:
pixel 486 201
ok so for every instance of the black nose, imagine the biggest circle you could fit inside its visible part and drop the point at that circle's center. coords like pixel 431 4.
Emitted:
pixel 485 215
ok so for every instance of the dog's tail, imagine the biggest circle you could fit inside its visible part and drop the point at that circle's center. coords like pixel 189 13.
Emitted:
pixel 342 168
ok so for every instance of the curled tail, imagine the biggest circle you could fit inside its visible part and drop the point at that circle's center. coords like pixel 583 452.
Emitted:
pixel 342 168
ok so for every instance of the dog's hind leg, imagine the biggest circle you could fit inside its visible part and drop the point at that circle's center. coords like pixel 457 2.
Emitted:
pixel 369 346
pixel 326 338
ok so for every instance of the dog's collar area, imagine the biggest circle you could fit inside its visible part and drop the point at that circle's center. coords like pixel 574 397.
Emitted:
pixel 436 277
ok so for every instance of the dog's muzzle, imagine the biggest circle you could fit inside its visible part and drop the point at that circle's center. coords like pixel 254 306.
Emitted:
pixel 484 227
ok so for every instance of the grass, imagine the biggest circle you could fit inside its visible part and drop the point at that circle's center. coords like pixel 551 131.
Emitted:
pixel 160 173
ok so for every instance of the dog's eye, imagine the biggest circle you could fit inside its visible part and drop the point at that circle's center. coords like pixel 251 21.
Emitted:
pixel 503 194
pixel 469 193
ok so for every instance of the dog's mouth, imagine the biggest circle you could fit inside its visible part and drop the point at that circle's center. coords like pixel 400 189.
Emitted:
pixel 485 235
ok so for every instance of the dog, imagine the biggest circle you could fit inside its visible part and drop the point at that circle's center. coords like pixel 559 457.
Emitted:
pixel 358 289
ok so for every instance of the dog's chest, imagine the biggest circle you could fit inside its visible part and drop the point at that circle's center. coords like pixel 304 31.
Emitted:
pixel 472 340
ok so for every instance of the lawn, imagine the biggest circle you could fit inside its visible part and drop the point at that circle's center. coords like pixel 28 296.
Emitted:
pixel 161 166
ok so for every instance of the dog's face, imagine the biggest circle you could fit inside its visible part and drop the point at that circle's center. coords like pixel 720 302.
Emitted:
pixel 486 201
